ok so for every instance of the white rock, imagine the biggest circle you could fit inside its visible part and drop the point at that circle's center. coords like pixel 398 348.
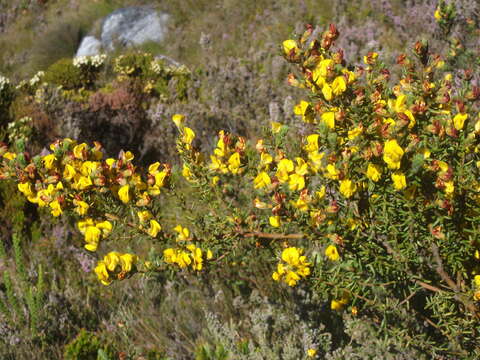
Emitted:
pixel 89 46
pixel 133 26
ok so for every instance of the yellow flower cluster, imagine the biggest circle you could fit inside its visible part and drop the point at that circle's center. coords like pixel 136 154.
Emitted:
pixel 293 267
pixel 115 266
pixel 94 231
pixel 72 175
pixel 227 155
pixel 190 255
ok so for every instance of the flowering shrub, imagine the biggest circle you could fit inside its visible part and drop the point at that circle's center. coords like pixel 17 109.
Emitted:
pixel 381 195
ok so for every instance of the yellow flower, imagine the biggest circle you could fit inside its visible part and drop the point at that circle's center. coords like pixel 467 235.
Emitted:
pixel 265 160
pixel 399 180
pixel 183 233
pixel 178 119
pixel 105 227
pixel 374 172
pixel 311 352
pixel 276 127
pixel 476 281
pixel 291 255
pixel 332 253
pixel 324 67
pixel 188 135
pixel 332 172
pixel 449 188
pixel 80 151
pixel 111 260
pixel 56 208
pixel 83 182
pixel 274 221
pixel 102 273
pixel 144 215
pixel 336 305
pixel 339 85
pixel 347 188
pixel 48 161
pixel 81 207
pixel 305 110
pixel 92 236
pixel 262 180
pixel 321 193
pixel 186 172
pixel 312 143
pixel 234 163
pixel 327 92
pixel 9 155
pixel 25 188
pixel 392 154
pixel 437 14
pixel 329 119
pixel 124 194
pixel 459 121
pixel 289 45
pixel 352 134
pixel 296 182
pixel 127 261
pixel 154 228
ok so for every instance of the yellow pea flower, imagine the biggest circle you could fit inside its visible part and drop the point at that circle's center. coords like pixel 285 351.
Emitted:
pixel 178 119
pixel 332 172
pixel 311 352
pixel 352 134
pixel 262 180
pixel 289 45
pixel 329 119
pixel 392 154
pixel 48 161
pixel 105 227
pixel 124 194
pixel 312 143
pixel 276 127
pixel 144 215
pixel 339 85
pixel 188 135
pixel 56 208
pixel 234 163
pixel 25 188
pixel 304 109
pixel 374 172
pixel 183 233
pixel 327 92
pixel 347 188
pixel 9 155
pixel 81 207
pixel 274 221
pixel 80 151
pixel 69 172
pixel 331 252
pixel 399 180
pixel 102 273
pixel 154 228
pixel 459 121
pixel 111 260
pixel 296 182
pixel 83 182
pixel 127 261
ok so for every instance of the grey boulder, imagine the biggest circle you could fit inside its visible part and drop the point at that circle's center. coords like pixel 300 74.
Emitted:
pixel 127 26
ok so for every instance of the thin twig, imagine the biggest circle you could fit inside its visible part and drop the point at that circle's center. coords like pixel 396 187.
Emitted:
pixel 272 236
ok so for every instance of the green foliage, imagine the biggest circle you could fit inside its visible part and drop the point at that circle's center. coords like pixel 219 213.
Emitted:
pixel 205 352
pixel 85 346
pixel 64 73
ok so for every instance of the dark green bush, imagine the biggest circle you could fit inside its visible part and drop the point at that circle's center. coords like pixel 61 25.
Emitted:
pixel 63 73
